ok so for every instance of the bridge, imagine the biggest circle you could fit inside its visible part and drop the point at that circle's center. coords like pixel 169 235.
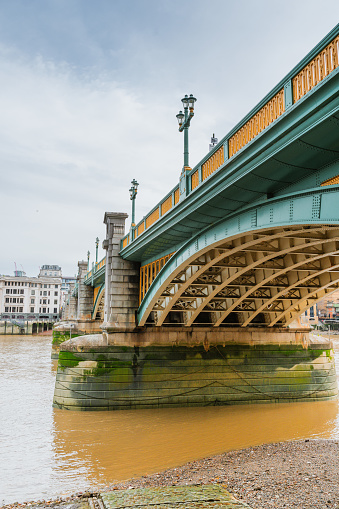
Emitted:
pixel 247 240
pixel 249 236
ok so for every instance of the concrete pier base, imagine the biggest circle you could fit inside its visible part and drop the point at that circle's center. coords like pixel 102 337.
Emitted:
pixel 165 368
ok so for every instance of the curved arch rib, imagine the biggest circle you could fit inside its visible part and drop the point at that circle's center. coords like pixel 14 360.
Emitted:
pixel 286 269
pixel 260 237
pixel 258 262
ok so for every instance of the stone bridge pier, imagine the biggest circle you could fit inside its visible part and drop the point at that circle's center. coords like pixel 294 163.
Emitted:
pixel 121 290
pixel 121 279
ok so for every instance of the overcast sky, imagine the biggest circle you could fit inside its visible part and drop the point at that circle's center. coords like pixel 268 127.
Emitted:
pixel 89 94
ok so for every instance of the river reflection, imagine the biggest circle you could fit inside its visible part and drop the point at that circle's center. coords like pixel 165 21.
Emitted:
pixel 46 451
pixel 119 445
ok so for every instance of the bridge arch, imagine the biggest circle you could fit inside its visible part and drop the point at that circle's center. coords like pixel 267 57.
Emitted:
pixel 98 306
pixel 264 265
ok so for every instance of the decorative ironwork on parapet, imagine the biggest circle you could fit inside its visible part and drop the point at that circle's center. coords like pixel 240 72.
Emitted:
pixel 268 114
pixel 95 269
pixel 213 163
pixel 321 66
pixel 318 64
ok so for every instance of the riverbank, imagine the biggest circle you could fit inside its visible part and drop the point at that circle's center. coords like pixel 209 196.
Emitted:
pixel 302 474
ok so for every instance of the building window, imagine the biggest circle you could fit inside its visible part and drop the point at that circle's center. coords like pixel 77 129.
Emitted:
pixel 32 310
pixel 14 291
pixel 21 291
pixel 14 300
pixel 32 301
pixel 55 310
pixel 21 301
pixel 6 310
pixel 55 294
pixel 55 301
pixel 32 292
pixel 44 310
pixel 21 310
pixel 44 301
pixel 55 286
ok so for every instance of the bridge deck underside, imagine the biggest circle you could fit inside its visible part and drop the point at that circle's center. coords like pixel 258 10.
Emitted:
pixel 265 278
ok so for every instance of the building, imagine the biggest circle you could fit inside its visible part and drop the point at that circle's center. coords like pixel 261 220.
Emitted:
pixel 50 270
pixel 31 298
pixel 327 305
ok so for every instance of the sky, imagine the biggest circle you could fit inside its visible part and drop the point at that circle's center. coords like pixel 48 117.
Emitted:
pixel 89 94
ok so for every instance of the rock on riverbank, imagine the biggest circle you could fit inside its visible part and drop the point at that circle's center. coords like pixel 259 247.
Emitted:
pixel 300 474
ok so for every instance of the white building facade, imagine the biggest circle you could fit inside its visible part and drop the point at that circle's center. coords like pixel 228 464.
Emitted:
pixel 30 298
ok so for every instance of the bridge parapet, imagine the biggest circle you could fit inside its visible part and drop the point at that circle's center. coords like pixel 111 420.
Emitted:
pixel 91 277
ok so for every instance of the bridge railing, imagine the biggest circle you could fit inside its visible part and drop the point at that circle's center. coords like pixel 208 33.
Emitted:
pixel 96 267
pixel 316 66
pixel 75 289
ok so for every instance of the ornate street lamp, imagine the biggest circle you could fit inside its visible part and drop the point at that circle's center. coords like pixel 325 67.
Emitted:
pixel 96 250
pixel 133 193
pixel 184 120
pixel 88 255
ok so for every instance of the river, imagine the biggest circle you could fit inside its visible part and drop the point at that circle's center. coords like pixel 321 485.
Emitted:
pixel 46 452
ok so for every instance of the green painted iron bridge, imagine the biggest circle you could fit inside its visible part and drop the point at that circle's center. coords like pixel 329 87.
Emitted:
pixel 250 235
pixel 199 303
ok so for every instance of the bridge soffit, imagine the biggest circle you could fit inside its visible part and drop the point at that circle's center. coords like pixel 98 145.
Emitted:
pixel 262 274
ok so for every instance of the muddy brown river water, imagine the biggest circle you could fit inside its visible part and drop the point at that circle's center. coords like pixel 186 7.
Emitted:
pixel 46 452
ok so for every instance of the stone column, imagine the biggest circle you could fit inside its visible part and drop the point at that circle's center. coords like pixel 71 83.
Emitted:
pixel 73 304
pixel 65 309
pixel 85 294
pixel 121 278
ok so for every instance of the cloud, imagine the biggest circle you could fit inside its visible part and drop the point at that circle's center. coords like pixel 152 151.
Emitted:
pixel 69 148
pixel 89 104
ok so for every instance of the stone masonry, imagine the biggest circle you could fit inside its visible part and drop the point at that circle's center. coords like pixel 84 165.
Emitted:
pixel 121 278
pixel 72 309
pixel 85 294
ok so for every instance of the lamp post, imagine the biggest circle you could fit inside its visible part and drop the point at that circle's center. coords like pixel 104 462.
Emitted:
pixel 184 120
pixel 88 254
pixel 96 250
pixel 133 193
